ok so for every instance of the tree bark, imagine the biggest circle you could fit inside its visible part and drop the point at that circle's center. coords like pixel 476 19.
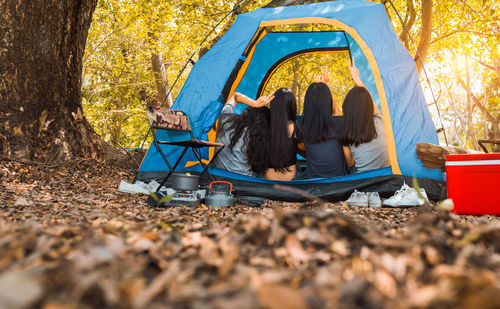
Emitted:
pixel 408 23
pixel 277 3
pixel 425 34
pixel 43 44
pixel 160 74
pixel 295 78
pixel 470 124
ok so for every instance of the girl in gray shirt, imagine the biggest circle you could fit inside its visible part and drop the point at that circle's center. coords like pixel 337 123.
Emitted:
pixel 244 136
pixel 363 130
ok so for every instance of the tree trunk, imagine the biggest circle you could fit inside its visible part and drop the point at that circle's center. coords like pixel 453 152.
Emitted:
pixel 295 78
pixel 277 3
pixel 160 74
pixel 41 76
pixel 408 23
pixel 470 123
pixel 425 34
pixel 458 116
pixel 161 80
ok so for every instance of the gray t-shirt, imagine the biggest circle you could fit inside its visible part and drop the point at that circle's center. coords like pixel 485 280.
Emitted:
pixel 372 155
pixel 235 159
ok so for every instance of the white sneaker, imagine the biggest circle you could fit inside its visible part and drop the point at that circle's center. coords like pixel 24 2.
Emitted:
pixel 358 199
pixel 374 200
pixel 405 196
pixel 393 200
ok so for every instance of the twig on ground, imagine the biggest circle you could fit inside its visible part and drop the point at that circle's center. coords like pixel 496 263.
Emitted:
pixel 27 162
pixel 160 283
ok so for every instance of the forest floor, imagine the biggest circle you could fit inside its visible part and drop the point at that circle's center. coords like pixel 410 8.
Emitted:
pixel 69 239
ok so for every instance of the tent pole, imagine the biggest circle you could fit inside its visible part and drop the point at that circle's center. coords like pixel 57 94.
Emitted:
pixel 423 67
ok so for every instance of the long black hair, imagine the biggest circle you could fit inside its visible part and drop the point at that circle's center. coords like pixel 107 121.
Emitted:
pixel 316 126
pixel 255 122
pixel 283 110
pixel 359 125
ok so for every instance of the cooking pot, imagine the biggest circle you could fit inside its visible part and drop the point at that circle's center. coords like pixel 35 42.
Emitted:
pixel 185 182
pixel 220 196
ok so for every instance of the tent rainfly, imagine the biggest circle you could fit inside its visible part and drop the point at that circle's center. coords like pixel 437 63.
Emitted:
pixel 246 56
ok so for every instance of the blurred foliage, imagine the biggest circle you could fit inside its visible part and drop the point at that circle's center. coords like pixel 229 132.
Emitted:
pixel 306 69
pixel 464 45
pixel 298 73
pixel 118 80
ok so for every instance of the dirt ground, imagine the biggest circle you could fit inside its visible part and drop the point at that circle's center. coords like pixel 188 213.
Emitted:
pixel 69 239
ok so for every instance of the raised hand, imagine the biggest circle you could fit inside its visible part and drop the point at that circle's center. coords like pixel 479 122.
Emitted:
pixel 263 100
pixel 324 75
pixel 355 73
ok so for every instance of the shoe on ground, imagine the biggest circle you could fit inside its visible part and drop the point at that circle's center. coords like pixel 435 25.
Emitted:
pixel 405 197
pixel 358 199
pixel 374 200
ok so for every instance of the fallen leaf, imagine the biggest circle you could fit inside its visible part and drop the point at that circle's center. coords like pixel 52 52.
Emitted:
pixel 385 283
pixel 295 250
pixel 275 296
pixel 21 202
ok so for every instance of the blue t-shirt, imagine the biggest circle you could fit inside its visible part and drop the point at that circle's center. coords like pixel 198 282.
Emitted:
pixel 326 159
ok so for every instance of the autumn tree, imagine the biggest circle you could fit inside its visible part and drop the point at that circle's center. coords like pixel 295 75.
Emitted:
pixel 135 52
pixel 41 115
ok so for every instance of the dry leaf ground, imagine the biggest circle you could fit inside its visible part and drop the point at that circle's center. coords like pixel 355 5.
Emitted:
pixel 69 239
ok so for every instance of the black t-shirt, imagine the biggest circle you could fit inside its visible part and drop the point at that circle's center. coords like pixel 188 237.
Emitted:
pixel 326 159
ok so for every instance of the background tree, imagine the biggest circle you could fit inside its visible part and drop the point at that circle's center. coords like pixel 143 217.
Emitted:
pixel 463 27
pixel 158 37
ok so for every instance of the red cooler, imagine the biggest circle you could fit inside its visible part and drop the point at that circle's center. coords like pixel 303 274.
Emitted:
pixel 473 183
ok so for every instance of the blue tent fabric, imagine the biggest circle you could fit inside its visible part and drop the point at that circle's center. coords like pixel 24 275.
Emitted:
pixel 200 97
pixel 275 46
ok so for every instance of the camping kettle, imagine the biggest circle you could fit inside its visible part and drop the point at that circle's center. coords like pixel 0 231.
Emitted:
pixel 220 196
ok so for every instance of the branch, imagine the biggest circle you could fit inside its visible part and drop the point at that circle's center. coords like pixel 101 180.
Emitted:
pixel 475 99
pixel 103 40
pixel 488 66
pixel 409 22
pixel 423 45
pixel 278 3
pixel 451 33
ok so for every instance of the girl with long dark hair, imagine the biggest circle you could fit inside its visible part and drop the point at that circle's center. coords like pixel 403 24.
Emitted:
pixel 283 145
pixel 318 130
pixel 363 129
pixel 245 136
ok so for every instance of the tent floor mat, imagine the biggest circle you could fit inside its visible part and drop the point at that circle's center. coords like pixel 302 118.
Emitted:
pixel 253 193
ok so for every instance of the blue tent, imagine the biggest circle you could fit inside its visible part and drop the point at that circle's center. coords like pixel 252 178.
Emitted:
pixel 245 57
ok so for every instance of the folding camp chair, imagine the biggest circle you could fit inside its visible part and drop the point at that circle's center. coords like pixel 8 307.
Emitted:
pixel 166 119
